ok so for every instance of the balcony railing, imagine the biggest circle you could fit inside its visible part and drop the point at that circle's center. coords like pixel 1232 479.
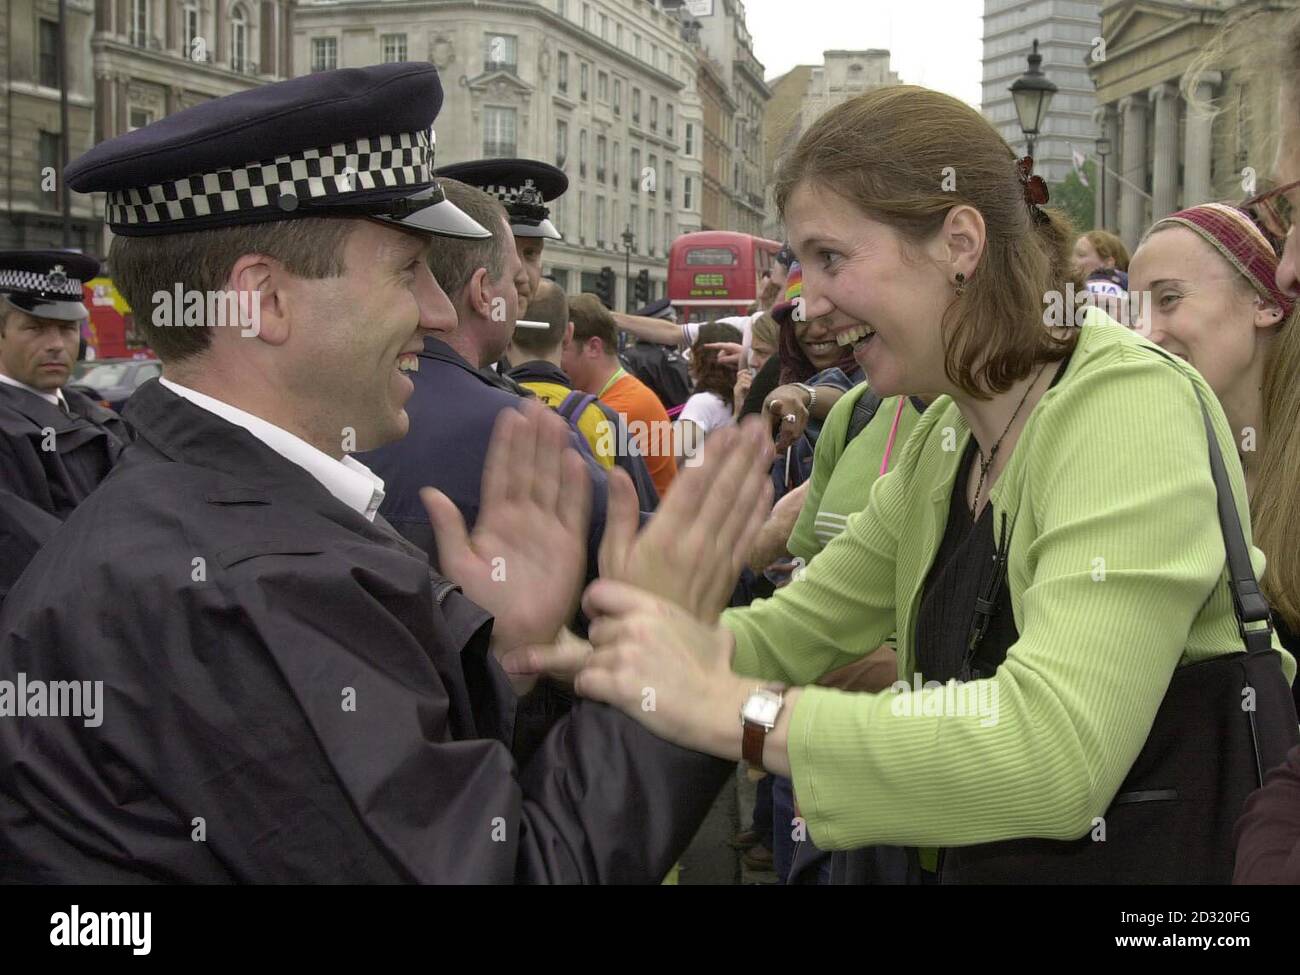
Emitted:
pixel 509 67
pixel 498 150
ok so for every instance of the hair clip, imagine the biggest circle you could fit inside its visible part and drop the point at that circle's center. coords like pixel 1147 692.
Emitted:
pixel 1034 187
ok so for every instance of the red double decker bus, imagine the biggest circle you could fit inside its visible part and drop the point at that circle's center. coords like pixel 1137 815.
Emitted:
pixel 715 273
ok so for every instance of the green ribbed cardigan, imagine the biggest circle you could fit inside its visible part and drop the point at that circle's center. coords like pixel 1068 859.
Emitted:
pixel 1117 576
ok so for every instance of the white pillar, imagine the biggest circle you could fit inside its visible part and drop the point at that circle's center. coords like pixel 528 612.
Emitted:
pixel 1164 169
pixel 1133 160
pixel 1199 143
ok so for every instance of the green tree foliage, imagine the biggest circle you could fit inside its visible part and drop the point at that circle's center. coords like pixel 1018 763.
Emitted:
pixel 1075 198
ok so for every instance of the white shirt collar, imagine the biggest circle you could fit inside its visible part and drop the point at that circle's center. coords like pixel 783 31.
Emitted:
pixel 348 480
pixel 54 399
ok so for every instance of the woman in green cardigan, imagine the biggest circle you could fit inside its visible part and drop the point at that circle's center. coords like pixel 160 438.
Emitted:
pixel 1060 445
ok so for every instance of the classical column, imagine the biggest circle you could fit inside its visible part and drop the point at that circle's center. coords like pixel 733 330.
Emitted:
pixel 103 106
pixel 1133 159
pixel 1199 142
pixel 1110 129
pixel 1164 170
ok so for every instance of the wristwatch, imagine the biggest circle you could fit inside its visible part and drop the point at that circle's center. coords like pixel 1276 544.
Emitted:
pixel 757 717
pixel 812 394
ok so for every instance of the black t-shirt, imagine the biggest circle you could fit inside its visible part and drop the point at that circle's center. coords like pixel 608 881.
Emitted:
pixel 766 380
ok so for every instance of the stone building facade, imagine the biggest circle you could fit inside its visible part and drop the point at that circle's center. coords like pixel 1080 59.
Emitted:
pixel 1188 104
pixel 596 88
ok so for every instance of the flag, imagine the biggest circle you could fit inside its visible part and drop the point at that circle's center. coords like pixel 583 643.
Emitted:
pixel 1079 160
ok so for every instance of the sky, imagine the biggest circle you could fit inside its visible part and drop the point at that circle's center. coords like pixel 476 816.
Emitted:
pixel 936 43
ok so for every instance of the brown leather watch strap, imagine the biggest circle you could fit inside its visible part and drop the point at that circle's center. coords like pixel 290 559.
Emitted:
pixel 751 744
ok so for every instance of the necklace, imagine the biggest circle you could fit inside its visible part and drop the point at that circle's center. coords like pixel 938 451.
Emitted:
pixel 985 464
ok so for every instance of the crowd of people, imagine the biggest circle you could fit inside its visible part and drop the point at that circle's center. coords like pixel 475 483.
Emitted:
pixel 445 575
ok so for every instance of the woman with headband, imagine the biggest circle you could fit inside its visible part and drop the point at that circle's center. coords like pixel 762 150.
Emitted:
pixel 1204 282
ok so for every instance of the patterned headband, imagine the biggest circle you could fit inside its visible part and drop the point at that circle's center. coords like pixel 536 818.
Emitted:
pixel 1234 235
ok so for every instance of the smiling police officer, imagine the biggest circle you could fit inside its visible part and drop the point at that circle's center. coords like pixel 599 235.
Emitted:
pixel 290 692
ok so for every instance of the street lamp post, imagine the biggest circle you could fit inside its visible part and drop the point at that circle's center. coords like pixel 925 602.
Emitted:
pixel 628 241
pixel 1032 95
pixel 1103 150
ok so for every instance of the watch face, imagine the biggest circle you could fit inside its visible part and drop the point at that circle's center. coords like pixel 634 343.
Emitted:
pixel 762 707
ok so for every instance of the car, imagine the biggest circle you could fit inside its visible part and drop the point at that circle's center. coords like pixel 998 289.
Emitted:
pixel 112 381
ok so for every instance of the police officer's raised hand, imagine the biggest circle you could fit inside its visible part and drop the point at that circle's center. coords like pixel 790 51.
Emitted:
pixel 526 558
pixel 693 549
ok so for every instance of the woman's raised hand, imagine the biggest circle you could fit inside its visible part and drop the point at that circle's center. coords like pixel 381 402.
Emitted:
pixel 693 548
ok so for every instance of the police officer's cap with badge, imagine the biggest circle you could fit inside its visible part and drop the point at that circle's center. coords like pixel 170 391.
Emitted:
pixel 524 186
pixel 350 142
pixel 46 284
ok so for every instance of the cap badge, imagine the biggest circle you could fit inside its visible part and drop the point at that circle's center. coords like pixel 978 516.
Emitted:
pixel 57 276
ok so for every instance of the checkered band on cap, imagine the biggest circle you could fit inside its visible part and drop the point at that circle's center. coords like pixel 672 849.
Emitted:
pixel 521 201
pixel 55 284
pixel 334 172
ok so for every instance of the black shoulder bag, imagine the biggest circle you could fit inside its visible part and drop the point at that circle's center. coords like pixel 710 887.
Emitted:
pixel 1223 723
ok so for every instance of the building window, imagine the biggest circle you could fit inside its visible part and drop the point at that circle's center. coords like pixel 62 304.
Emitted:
pixel 561 142
pixel 634 170
pixel 653 163
pixel 586 16
pixel 602 147
pixel 562 8
pixel 602 86
pixel 239 41
pixel 668 57
pixel 616 163
pixel 324 53
pixel 394 48
pixel 583 73
pixel 139 28
pixel 650 229
pixel 654 113
pixel 670 121
pixel 600 221
pixel 138 118
pixel 562 71
pixel 636 45
pixel 604 27
pixel 49 53
pixel 51 155
pixel 636 105
pixel 582 152
pixel 690 139
pixel 618 97
pixel 192 31
pixel 501 53
pixel 498 132
pixel 668 182
pixel 687 195
pixel 668 231
pixel 618 36
pixel 634 224
pixel 582 217
pixel 654 56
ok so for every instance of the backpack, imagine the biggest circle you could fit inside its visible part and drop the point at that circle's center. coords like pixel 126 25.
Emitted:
pixel 572 408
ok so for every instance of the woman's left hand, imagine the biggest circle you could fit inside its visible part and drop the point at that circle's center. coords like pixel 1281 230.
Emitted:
pixel 663 667
pixel 787 409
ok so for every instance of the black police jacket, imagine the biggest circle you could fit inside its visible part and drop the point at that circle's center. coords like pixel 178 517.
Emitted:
pixel 662 369
pixel 49 462
pixel 291 694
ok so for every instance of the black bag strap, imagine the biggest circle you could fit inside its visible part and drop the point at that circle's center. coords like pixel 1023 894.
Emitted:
pixel 1247 599
pixel 863 412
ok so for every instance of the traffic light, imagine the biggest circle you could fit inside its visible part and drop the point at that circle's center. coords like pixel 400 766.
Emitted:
pixel 605 287
pixel 643 288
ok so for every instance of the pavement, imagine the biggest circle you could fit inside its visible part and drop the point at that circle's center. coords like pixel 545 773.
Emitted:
pixel 710 859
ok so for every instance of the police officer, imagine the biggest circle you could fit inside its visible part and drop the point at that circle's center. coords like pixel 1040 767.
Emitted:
pixel 661 367
pixel 274 658
pixel 56 444
pixel 524 187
